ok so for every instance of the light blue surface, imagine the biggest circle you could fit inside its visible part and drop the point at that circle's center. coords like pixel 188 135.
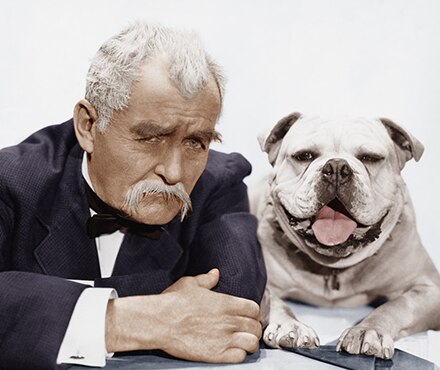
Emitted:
pixel 329 323
pixel 265 359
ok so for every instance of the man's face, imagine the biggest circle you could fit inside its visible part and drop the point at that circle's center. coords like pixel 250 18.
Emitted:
pixel 160 136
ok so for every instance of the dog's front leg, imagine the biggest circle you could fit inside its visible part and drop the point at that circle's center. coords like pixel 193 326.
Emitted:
pixel 283 330
pixel 415 310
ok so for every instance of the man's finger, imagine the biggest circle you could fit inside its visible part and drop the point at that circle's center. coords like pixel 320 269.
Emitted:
pixel 233 355
pixel 208 280
pixel 243 307
pixel 245 341
pixel 247 325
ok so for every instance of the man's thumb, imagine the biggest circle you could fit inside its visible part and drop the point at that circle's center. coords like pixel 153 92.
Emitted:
pixel 208 280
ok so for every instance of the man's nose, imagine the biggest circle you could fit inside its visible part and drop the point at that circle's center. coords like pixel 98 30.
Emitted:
pixel 170 166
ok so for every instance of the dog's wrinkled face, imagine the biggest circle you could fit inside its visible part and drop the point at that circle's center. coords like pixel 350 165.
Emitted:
pixel 337 181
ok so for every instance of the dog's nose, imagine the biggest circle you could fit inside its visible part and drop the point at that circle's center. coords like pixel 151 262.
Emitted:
pixel 337 171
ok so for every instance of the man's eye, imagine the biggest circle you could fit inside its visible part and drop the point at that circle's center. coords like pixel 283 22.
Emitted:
pixel 304 156
pixel 151 139
pixel 195 144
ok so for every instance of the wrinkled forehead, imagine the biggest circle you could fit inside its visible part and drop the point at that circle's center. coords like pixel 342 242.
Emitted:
pixel 337 134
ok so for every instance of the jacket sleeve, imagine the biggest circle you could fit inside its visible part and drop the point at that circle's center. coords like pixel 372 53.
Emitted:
pixel 226 238
pixel 34 310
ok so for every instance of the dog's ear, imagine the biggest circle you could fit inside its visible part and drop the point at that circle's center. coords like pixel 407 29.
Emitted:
pixel 407 145
pixel 271 143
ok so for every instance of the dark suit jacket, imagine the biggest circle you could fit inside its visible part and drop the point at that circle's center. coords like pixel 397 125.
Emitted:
pixel 43 212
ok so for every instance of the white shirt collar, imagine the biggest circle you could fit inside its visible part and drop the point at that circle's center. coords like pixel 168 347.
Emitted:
pixel 85 171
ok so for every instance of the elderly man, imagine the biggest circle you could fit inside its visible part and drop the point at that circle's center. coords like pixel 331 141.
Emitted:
pixel 103 200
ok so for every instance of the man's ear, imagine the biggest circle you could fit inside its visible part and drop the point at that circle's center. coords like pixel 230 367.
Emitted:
pixel 271 143
pixel 84 119
pixel 407 146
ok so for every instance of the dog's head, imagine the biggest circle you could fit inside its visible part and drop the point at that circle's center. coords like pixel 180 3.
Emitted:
pixel 336 184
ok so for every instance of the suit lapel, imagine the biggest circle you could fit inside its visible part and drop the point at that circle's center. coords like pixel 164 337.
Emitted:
pixel 66 251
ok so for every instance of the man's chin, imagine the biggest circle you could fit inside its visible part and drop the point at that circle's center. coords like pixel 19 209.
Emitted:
pixel 155 215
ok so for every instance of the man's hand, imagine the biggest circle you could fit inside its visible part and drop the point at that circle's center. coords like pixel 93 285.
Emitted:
pixel 187 320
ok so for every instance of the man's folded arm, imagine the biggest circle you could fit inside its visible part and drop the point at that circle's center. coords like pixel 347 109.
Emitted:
pixel 35 311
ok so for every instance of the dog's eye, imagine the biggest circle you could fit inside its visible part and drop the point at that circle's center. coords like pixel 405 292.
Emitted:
pixel 304 156
pixel 370 158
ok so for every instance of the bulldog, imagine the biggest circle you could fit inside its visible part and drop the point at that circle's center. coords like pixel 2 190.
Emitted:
pixel 337 228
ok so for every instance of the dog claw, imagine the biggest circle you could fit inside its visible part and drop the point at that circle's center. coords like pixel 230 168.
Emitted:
pixel 293 334
pixel 369 341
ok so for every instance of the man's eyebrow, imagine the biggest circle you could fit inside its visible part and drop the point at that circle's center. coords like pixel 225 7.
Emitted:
pixel 146 128
pixel 150 128
pixel 211 135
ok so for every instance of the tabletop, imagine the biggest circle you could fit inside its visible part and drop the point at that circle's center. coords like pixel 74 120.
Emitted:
pixel 329 323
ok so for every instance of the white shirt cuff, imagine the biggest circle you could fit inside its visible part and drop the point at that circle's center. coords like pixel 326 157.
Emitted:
pixel 84 340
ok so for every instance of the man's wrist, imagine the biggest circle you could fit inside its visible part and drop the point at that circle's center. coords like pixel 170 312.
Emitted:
pixel 125 323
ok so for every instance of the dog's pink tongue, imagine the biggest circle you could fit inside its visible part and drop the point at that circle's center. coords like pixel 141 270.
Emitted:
pixel 332 227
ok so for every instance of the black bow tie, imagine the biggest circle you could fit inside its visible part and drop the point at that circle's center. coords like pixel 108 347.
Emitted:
pixel 108 220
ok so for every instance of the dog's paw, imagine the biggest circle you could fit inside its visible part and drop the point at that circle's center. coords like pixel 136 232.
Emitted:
pixel 367 341
pixel 290 334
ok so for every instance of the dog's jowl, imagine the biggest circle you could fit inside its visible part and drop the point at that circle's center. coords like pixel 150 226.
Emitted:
pixel 337 228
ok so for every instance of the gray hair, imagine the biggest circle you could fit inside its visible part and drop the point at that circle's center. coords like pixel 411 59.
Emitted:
pixel 145 187
pixel 117 64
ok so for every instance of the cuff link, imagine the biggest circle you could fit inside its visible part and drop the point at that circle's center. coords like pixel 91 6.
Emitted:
pixel 77 357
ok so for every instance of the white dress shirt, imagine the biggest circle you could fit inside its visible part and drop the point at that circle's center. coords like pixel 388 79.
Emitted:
pixel 84 340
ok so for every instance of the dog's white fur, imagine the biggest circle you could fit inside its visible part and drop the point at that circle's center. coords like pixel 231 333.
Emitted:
pixel 383 258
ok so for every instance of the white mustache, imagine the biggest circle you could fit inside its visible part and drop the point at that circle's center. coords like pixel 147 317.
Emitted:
pixel 157 187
